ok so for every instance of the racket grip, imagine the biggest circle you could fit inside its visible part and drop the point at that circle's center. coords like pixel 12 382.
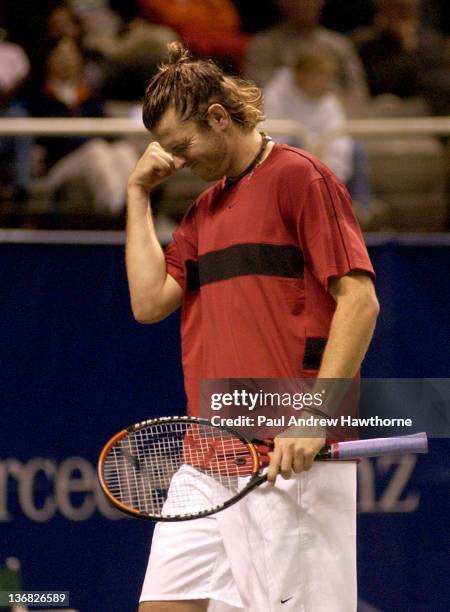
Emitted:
pixel 400 445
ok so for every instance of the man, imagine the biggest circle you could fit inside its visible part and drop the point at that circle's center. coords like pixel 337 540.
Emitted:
pixel 299 31
pixel 304 93
pixel 403 57
pixel 274 282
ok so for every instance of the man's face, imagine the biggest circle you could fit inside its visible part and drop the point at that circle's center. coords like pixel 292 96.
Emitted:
pixel 65 61
pixel 314 85
pixel 203 150
pixel 61 22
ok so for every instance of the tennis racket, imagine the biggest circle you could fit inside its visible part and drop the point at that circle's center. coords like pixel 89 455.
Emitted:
pixel 181 468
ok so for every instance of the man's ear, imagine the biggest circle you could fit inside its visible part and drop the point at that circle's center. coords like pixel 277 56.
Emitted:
pixel 218 117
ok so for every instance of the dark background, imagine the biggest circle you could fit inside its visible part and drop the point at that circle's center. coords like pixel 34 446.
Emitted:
pixel 76 367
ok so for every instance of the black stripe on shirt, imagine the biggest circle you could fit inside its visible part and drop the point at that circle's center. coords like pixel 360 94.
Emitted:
pixel 314 349
pixel 192 277
pixel 251 259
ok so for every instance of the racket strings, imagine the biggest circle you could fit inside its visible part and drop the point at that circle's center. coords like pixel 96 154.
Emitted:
pixel 140 469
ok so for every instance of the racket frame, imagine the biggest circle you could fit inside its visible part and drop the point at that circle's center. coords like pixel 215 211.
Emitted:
pixel 256 478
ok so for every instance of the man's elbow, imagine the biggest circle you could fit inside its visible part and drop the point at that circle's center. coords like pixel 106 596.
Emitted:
pixel 361 304
pixel 369 305
pixel 147 314
pixel 151 307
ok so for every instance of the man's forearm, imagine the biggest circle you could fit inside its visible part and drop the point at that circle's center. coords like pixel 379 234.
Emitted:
pixel 350 334
pixel 146 266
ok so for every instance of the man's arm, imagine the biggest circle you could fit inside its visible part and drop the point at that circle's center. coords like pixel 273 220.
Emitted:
pixel 351 330
pixel 352 325
pixel 154 294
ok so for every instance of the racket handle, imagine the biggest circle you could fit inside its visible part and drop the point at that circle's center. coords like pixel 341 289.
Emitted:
pixel 400 445
pixel 355 449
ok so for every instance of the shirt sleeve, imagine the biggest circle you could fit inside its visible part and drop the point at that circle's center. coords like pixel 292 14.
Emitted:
pixel 329 233
pixel 181 252
pixel 174 262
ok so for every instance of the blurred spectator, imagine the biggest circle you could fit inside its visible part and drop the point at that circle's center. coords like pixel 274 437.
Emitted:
pixel 300 31
pixel 304 93
pixel 15 153
pixel 131 50
pixel 403 57
pixel 101 167
pixel 62 21
pixel 207 27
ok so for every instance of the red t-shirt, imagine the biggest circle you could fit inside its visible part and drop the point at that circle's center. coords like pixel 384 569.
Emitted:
pixel 254 263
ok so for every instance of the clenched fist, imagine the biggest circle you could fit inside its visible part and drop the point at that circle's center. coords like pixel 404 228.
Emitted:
pixel 154 167
pixel 294 451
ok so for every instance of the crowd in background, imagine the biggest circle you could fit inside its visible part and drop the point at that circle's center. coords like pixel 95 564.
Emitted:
pixel 318 62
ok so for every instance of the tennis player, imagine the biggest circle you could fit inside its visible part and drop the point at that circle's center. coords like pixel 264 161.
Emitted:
pixel 270 269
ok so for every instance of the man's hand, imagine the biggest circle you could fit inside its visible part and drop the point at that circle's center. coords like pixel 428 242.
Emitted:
pixel 294 451
pixel 154 167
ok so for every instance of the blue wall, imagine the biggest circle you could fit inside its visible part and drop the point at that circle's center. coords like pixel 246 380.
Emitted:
pixel 75 368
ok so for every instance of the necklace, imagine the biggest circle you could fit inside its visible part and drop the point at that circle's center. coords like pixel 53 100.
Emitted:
pixel 230 181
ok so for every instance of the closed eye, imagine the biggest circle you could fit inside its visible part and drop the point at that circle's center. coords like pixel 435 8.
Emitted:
pixel 179 151
pixel 181 148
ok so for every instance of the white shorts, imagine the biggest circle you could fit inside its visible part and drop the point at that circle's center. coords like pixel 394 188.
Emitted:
pixel 282 548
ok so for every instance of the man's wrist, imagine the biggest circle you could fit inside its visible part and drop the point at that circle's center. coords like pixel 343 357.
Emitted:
pixel 135 187
pixel 314 430
pixel 138 199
